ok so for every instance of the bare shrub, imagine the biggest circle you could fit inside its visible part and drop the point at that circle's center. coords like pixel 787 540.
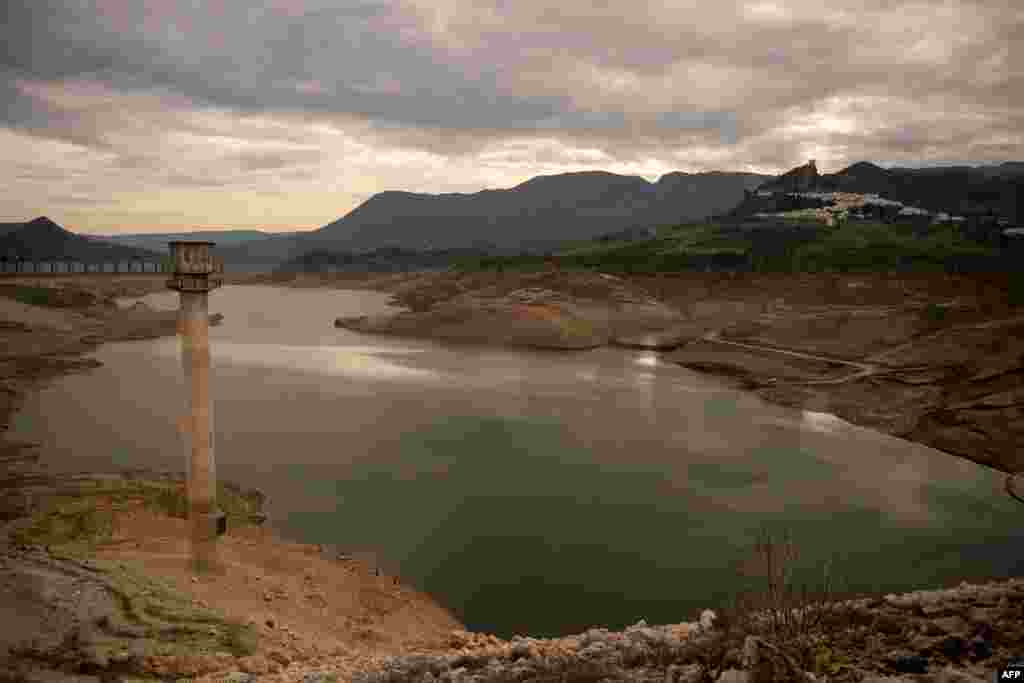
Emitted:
pixel 795 622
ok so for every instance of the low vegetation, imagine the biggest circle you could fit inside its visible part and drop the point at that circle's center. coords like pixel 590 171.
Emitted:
pixel 140 619
pixel 54 297
pixel 799 621
pixel 785 246
pixel 81 516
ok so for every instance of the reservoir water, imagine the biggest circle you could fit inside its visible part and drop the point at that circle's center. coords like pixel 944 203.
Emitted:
pixel 529 492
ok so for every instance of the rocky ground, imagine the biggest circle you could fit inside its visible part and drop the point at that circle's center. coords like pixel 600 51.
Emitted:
pixel 960 634
pixel 547 311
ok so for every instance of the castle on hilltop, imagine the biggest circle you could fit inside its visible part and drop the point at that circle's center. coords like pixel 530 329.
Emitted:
pixel 801 179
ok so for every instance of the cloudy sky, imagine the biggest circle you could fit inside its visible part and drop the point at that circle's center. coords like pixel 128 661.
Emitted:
pixel 148 115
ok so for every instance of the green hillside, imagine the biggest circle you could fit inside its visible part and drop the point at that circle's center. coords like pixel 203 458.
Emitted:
pixel 784 246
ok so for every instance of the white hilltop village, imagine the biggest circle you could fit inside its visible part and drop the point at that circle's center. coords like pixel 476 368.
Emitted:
pixel 846 205
pixel 835 207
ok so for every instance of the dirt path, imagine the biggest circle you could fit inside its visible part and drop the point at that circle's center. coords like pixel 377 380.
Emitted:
pixel 864 369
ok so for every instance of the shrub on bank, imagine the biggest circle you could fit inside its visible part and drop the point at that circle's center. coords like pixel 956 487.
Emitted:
pixel 934 313
pixel 777 631
pixel 54 297
pixel 1015 291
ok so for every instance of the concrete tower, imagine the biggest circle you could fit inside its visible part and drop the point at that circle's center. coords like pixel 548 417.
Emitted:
pixel 193 268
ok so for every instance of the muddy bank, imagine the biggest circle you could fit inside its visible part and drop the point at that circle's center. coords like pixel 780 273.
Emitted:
pixel 45 327
pixel 956 385
pixel 540 310
pixel 932 358
pixel 94 576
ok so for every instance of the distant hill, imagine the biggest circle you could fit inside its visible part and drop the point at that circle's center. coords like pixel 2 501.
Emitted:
pixel 386 259
pixel 264 254
pixel 41 239
pixel 535 215
pixel 958 190
pixel 158 241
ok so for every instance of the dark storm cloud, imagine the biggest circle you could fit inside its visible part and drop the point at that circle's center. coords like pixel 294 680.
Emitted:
pixel 245 89
pixel 372 61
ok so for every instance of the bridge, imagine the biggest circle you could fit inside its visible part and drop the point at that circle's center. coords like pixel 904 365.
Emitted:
pixel 19 265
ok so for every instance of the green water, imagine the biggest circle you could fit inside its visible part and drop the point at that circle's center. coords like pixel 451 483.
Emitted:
pixel 530 492
pixel 522 532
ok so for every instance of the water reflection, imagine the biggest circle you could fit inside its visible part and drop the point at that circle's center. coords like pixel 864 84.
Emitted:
pixel 355 361
pixel 516 486
pixel 649 359
pixel 822 422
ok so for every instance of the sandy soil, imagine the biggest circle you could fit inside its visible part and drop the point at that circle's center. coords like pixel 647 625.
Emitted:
pixel 123 600
pixel 307 608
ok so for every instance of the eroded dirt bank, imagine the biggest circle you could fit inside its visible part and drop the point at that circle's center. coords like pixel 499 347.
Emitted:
pixel 933 358
pixel 938 360
pixel 95 585
pixel 94 580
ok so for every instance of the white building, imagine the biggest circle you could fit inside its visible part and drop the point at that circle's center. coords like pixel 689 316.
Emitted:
pixel 879 201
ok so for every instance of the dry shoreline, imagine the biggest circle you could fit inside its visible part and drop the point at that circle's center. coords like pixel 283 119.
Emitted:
pixel 906 353
pixel 940 357
pixel 86 611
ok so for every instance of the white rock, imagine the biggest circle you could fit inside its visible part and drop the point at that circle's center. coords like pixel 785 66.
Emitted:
pixel 734 676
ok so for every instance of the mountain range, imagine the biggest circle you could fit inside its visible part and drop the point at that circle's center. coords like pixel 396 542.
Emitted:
pixel 532 216
pixel 540 214
pixel 43 240
pixel 157 241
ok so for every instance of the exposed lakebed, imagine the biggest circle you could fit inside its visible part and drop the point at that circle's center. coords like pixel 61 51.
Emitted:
pixel 529 491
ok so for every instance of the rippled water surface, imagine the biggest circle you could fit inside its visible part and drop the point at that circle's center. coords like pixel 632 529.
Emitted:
pixel 529 491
